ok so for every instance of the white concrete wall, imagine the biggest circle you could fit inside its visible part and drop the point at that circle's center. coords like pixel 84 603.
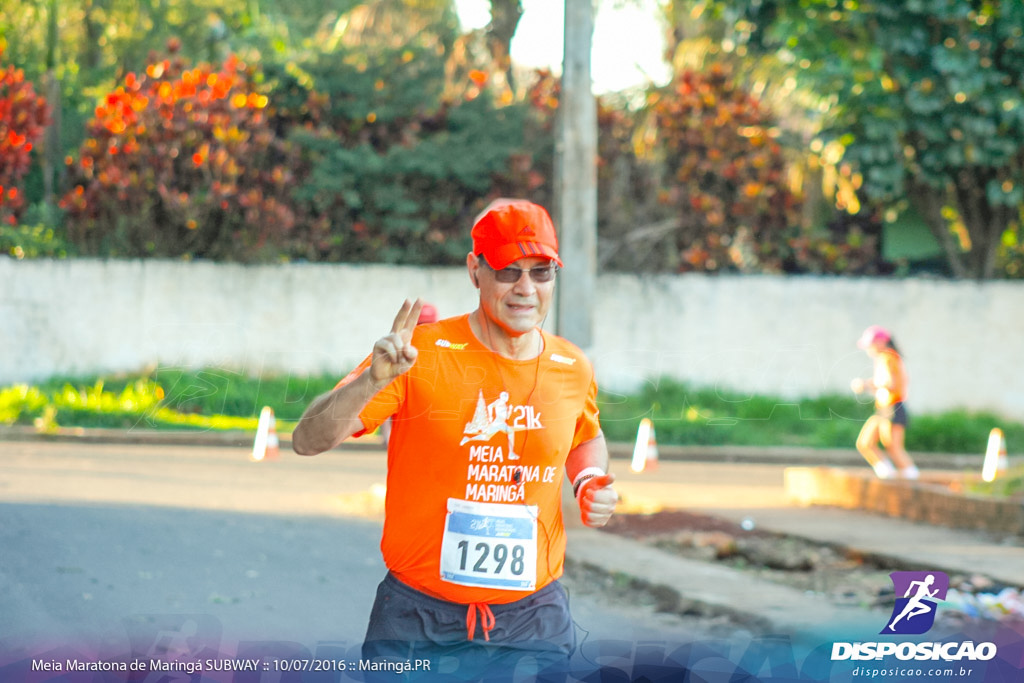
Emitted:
pixel 790 336
pixel 962 341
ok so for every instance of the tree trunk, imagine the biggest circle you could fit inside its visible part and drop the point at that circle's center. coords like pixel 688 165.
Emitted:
pixel 984 221
pixel 929 202
pixel 91 52
pixel 505 15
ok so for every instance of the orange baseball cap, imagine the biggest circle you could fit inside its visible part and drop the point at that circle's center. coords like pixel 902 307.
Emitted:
pixel 511 229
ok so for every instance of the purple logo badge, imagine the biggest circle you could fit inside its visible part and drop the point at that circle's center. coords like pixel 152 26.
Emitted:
pixel 917 596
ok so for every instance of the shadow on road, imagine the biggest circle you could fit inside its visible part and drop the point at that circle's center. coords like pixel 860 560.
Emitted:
pixel 110 579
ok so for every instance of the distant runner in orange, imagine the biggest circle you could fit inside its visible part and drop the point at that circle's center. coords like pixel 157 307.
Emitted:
pixel 888 425
pixel 488 410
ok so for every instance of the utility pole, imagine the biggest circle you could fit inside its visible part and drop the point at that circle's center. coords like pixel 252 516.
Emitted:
pixel 576 178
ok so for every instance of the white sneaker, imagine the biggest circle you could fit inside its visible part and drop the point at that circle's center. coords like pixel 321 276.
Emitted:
pixel 884 469
pixel 910 472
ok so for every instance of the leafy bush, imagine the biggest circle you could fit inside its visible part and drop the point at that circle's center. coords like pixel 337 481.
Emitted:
pixel 31 241
pixel 181 162
pixel 24 116
pixel 221 398
pixel 164 398
pixel 358 155
pixel 629 214
pixel 687 415
pixel 402 150
pixel 728 174
pixel 106 408
pixel 730 187
pixel 958 431
pixel 214 391
pixel 20 403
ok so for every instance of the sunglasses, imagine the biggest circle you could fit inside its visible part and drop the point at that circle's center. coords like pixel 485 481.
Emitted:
pixel 512 274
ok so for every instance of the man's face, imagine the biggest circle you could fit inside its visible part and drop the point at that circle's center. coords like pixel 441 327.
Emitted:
pixel 516 307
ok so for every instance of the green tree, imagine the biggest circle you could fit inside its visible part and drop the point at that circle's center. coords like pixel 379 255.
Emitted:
pixel 925 106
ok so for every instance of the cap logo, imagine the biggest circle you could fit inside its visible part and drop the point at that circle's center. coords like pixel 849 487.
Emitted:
pixel 512 229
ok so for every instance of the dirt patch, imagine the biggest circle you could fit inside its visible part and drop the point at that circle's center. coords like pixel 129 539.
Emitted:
pixel 836 574
pixel 643 526
pixel 657 605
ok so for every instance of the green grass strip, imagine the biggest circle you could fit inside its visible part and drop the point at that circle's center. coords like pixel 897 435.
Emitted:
pixel 224 399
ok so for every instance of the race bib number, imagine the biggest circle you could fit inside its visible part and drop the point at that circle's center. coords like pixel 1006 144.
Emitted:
pixel 490 545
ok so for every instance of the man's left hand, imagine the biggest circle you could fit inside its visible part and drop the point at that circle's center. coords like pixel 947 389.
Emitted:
pixel 597 499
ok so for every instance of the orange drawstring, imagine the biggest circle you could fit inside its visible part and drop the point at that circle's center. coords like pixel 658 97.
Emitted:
pixel 486 621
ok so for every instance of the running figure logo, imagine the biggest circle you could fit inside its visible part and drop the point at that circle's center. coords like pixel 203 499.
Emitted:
pixel 490 419
pixel 914 613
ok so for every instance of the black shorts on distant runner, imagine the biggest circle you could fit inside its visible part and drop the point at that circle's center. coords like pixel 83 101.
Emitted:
pixel 896 413
pixel 535 633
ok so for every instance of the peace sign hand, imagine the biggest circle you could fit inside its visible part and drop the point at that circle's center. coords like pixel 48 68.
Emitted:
pixel 394 354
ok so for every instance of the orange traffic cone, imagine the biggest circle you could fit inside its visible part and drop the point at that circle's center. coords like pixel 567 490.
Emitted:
pixel 995 455
pixel 266 446
pixel 645 452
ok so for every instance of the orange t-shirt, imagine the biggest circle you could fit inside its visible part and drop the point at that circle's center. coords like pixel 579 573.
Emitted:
pixel 890 379
pixel 472 430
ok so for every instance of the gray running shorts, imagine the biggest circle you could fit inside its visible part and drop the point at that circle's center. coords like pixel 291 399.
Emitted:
pixel 428 637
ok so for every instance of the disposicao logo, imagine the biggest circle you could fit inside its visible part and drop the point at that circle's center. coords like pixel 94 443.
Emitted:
pixel 918 595
pixel 914 613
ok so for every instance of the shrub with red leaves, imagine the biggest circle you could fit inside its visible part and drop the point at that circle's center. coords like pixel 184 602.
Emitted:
pixel 181 162
pixel 24 116
pixel 729 171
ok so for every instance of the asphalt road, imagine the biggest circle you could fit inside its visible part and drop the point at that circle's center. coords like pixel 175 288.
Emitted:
pixel 117 550
pixel 103 547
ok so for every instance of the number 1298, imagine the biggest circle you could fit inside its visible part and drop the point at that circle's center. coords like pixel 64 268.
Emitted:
pixel 498 555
